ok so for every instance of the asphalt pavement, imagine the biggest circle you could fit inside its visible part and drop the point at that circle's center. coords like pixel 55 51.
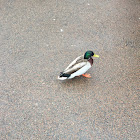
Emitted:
pixel 38 39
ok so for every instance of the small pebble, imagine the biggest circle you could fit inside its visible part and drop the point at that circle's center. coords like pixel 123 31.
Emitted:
pixel 61 30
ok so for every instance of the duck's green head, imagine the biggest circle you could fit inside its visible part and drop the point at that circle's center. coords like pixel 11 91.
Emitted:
pixel 90 54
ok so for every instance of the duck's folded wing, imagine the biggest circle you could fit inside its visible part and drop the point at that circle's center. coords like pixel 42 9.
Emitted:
pixel 76 61
pixel 75 67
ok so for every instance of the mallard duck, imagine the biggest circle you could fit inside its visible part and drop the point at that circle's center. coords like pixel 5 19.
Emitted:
pixel 79 66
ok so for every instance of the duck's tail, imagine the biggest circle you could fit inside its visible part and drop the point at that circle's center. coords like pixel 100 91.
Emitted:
pixel 63 76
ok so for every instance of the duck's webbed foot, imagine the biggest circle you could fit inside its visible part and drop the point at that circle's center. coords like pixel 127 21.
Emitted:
pixel 86 75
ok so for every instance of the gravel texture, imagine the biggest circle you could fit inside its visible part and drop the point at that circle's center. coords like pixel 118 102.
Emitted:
pixel 38 39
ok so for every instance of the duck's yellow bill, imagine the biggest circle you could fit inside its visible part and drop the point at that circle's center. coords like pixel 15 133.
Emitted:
pixel 95 55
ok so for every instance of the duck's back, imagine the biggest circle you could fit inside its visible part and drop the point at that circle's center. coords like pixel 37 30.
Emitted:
pixel 78 60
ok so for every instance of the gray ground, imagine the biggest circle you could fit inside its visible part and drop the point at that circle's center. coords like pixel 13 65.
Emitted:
pixel 38 39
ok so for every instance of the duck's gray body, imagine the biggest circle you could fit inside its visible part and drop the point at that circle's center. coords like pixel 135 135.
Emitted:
pixel 78 67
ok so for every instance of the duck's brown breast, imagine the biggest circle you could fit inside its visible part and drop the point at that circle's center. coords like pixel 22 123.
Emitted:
pixel 90 61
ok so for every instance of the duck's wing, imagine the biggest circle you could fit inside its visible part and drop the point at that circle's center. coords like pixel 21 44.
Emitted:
pixel 74 62
pixel 74 66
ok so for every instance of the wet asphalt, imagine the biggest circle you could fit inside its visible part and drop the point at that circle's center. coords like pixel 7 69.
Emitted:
pixel 38 39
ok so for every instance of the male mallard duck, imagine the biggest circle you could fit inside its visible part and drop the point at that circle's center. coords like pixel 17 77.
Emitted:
pixel 79 66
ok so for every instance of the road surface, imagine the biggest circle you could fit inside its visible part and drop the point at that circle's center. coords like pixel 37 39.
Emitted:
pixel 38 39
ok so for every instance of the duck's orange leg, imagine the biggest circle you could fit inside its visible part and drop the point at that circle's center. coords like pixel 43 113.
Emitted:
pixel 86 75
